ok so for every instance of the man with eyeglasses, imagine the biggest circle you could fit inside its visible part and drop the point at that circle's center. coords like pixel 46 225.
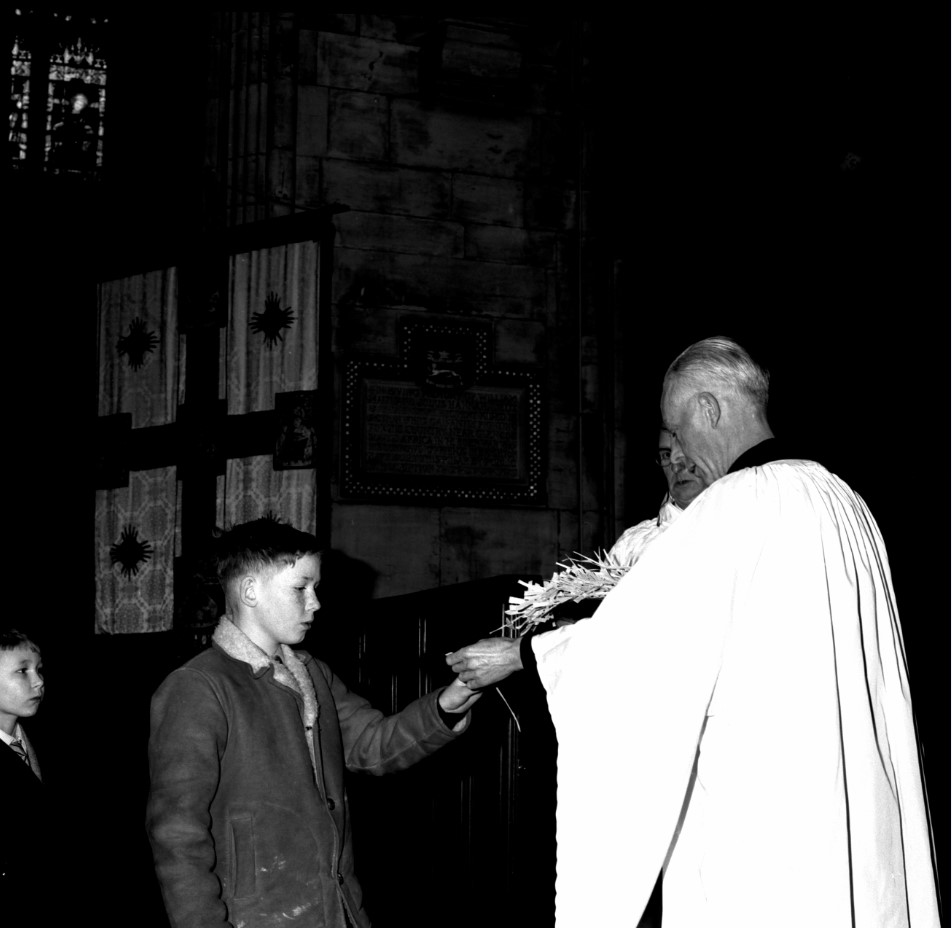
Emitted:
pixel 684 484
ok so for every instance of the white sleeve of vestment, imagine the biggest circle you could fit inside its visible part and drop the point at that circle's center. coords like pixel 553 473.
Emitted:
pixel 627 691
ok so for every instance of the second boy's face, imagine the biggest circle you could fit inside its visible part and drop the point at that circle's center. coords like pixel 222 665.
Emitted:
pixel 21 686
pixel 285 603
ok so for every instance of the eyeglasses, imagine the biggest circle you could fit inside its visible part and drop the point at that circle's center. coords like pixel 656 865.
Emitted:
pixel 663 457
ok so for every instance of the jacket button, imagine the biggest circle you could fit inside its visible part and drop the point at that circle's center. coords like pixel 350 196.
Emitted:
pixel 331 804
pixel 340 877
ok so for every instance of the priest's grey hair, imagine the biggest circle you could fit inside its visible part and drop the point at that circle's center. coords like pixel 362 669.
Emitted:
pixel 721 361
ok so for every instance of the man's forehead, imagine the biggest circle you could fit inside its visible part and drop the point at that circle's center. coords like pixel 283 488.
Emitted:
pixel 674 397
pixel 669 411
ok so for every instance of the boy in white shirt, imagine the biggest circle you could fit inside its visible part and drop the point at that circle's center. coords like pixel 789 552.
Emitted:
pixel 22 838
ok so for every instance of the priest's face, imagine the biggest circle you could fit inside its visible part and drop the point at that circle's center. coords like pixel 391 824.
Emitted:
pixel 692 439
pixel 684 482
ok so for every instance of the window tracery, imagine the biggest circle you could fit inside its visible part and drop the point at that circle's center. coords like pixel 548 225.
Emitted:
pixel 58 92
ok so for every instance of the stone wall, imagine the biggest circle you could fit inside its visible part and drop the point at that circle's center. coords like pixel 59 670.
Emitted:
pixel 453 150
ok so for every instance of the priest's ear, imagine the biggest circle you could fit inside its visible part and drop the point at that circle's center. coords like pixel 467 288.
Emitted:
pixel 710 409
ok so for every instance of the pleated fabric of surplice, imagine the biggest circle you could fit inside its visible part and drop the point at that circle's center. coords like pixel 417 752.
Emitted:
pixel 272 367
pixel 141 367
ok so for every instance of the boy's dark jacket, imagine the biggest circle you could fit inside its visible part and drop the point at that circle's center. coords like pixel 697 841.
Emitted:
pixel 242 831
pixel 25 834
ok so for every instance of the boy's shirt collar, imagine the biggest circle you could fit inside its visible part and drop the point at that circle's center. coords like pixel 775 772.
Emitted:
pixel 16 736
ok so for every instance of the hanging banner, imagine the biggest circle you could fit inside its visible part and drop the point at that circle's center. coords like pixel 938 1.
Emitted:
pixel 255 489
pixel 137 531
pixel 272 326
pixel 141 368
pixel 272 369
pixel 256 449
pixel 141 360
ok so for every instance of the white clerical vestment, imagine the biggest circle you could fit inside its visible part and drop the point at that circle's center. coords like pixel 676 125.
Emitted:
pixel 738 711
pixel 632 541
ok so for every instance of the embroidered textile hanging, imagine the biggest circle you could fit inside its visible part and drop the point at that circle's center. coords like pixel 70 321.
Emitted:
pixel 254 488
pixel 272 366
pixel 141 363
pixel 164 440
pixel 135 570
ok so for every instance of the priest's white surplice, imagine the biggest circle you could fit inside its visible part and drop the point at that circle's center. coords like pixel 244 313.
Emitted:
pixel 632 542
pixel 738 711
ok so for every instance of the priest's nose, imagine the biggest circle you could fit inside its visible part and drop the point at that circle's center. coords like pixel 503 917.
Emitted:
pixel 677 455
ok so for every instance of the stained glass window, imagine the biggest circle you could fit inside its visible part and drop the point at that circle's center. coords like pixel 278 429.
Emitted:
pixel 58 91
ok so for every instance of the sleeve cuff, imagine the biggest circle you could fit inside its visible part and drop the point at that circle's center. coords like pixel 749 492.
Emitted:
pixel 450 721
pixel 528 657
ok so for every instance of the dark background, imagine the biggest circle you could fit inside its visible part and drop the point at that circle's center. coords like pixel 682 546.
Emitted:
pixel 778 182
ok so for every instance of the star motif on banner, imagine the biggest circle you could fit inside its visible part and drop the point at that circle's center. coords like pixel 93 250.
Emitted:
pixel 272 320
pixel 137 343
pixel 130 552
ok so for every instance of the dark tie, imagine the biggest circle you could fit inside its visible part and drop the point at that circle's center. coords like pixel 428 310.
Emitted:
pixel 20 752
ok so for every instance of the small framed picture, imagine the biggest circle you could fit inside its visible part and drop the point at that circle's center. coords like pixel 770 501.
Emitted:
pixel 295 444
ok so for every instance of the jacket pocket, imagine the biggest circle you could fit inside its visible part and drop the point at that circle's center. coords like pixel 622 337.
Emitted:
pixel 243 854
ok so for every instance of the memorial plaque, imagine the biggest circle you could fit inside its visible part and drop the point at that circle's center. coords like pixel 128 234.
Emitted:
pixel 440 424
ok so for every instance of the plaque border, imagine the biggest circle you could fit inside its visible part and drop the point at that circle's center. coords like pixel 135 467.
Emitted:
pixel 358 484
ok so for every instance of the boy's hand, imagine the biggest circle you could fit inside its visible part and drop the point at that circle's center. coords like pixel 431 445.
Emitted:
pixel 457 698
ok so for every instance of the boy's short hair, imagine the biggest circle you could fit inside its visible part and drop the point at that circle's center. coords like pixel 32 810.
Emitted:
pixel 12 638
pixel 254 546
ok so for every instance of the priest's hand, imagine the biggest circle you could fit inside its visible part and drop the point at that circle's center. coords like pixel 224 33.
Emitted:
pixel 487 661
